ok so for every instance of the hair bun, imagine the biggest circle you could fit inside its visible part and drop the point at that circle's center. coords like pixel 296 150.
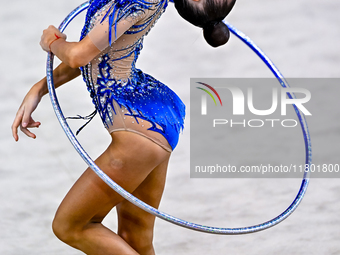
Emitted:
pixel 216 33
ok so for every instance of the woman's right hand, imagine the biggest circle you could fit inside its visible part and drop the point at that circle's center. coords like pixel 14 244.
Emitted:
pixel 23 118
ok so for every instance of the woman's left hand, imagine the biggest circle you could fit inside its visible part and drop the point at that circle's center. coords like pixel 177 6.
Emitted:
pixel 50 35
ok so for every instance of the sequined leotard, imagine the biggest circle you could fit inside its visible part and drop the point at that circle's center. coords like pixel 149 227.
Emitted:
pixel 125 97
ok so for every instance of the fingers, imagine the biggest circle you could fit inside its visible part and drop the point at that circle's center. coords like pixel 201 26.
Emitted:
pixel 35 124
pixel 27 132
pixel 31 124
pixel 16 124
pixel 53 30
pixel 26 117
pixel 49 35
pixel 24 123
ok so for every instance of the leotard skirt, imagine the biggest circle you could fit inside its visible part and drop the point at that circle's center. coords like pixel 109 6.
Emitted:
pixel 141 104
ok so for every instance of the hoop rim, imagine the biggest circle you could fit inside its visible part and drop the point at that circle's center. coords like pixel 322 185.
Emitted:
pixel 154 211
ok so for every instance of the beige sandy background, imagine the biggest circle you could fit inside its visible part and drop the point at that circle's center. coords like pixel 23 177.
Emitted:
pixel 301 37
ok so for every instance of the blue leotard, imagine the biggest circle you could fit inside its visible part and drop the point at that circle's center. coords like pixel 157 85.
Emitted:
pixel 124 96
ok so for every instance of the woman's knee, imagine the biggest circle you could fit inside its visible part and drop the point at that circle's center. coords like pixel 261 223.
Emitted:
pixel 64 231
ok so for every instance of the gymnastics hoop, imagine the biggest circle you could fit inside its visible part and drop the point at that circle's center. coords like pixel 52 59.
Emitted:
pixel 150 209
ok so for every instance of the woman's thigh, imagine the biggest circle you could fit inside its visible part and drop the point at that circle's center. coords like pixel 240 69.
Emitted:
pixel 128 160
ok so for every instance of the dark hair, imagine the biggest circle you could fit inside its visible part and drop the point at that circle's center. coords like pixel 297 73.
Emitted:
pixel 209 18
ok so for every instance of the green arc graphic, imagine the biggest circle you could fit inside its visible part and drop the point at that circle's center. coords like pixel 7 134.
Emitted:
pixel 209 94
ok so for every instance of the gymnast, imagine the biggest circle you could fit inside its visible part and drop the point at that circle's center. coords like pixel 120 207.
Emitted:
pixel 143 116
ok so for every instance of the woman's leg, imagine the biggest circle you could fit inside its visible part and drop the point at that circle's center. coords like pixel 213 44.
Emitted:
pixel 129 159
pixel 135 225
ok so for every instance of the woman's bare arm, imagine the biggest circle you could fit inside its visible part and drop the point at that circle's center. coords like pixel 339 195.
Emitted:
pixel 61 75
pixel 23 119
pixel 74 54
